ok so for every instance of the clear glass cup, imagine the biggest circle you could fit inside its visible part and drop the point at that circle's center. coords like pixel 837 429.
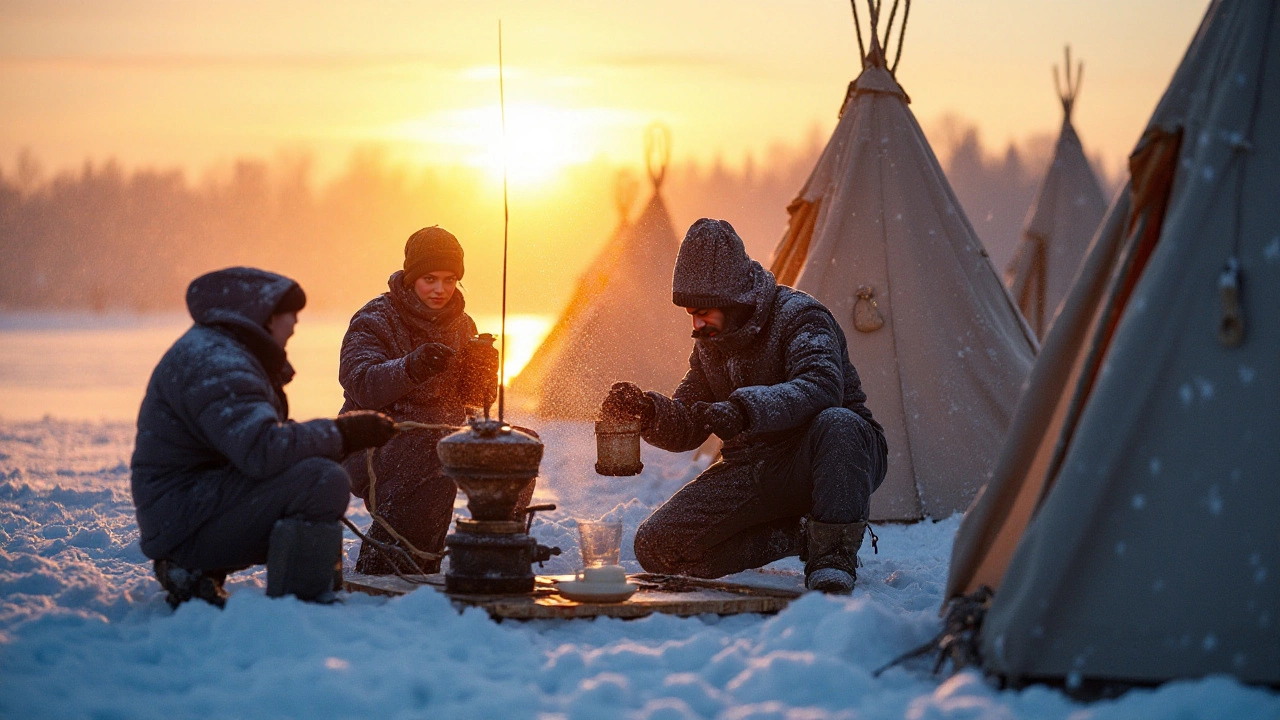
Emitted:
pixel 600 542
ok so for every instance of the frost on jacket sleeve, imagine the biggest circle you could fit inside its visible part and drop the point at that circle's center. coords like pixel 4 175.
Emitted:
pixel 673 428
pixel 367 371
pixel 235 412
pixel 815 372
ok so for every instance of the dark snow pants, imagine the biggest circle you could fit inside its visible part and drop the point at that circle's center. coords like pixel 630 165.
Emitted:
pixel 316 490
pixel 413 496
pixel 744 511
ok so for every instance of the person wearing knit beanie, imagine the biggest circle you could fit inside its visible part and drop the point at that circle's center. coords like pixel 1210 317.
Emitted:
pixel 413 353
pixel 429 250
pixel 770 375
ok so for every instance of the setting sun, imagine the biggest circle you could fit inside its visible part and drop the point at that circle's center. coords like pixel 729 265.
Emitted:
pixel 541 140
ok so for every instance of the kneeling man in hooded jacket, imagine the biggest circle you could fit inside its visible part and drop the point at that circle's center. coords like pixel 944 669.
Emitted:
pixel 222 478
pixel 770 375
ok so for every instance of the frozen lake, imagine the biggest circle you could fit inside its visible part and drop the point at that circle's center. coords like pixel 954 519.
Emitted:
pixel 95 367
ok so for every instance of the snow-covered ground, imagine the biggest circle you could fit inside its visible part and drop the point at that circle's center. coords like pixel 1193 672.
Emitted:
pixel 85 632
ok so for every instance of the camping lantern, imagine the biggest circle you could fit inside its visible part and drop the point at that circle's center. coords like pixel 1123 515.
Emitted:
pixel 475 385
pixel 491 552
pixel 618 447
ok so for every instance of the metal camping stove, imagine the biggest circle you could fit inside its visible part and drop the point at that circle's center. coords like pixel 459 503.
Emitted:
pixel 492 553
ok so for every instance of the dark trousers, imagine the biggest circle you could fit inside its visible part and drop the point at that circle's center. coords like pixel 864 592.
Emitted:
pixel 315 490
pixel 744 511
pixel 413 496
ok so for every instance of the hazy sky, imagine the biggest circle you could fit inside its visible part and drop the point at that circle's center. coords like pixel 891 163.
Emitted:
pixel 174 82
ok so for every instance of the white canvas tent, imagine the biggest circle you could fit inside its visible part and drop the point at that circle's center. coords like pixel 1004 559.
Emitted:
pixel 1130 527
pixel 1062 220
pixel 877 235
pixel 619 323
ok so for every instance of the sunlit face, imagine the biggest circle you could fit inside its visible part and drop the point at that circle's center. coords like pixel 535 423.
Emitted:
pixel 435 289
pixel 280 326
pixel 707 322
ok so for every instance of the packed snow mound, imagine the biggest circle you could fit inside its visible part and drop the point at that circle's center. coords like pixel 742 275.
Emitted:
pixel 85 631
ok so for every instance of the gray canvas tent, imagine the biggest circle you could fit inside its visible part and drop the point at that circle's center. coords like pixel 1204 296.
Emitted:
pixel 1062 220
pixel 877 234
pixel 619 323
pixel 1131 529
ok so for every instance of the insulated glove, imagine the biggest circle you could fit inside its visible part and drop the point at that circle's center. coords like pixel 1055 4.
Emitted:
pixel 724 418
pixel 627 400
pixel 364 429
pixel 428 360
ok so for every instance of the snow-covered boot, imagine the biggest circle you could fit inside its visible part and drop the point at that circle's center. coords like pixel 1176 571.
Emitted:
pixel 831 565
pixel 182 584
pixel 304 559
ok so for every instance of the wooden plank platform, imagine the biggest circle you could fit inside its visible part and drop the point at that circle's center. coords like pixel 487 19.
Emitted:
pixel 668 594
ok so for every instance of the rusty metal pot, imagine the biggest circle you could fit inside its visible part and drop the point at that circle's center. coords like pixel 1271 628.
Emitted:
pixel 618 447
pixel 492 464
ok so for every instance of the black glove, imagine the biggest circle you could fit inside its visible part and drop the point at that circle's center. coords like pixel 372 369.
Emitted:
pixel 427 361
pixel 364 429
pixel 725 418
pixel 626 400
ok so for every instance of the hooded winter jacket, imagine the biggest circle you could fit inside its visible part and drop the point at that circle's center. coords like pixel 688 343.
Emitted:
pixel 373 370
pixel 785 362
pixel 215 406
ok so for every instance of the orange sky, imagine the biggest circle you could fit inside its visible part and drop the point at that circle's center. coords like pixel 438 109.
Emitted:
pixel 173 82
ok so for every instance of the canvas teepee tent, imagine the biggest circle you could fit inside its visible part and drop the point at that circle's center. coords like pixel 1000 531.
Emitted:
pixel 1130 528
pixel 1062 220
pixel 878 236
pixel 619 323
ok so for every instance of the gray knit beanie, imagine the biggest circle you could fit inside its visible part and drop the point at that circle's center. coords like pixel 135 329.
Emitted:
pixel 712 269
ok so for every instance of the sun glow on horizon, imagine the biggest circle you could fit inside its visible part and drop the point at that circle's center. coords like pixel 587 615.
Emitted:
pixel 525 333
pixel 541 140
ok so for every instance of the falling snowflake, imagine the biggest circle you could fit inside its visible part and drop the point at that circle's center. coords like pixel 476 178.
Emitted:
pixel 1215 500
pixel 1272 250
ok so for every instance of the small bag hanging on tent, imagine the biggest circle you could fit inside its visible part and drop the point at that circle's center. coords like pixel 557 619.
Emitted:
pixel 866 314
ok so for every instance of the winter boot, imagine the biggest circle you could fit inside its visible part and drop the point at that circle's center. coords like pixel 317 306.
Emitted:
pixel 831 563
pixel 304 559
pixel 182 584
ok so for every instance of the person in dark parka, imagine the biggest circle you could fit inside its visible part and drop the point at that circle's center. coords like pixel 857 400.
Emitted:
pixel 221 478
pixel 770 375
pixel 408 353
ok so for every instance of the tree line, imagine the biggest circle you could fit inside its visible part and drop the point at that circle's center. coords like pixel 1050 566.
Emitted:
pixel 107 238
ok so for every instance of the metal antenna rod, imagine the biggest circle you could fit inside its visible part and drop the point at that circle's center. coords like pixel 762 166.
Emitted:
pixel 506 223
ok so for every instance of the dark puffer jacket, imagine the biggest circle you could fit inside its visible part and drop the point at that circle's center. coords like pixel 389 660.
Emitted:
pixel 372 369
pixel 786 362
pixel 215 405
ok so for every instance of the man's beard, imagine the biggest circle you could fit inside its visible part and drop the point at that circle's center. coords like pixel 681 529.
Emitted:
pixel 704 333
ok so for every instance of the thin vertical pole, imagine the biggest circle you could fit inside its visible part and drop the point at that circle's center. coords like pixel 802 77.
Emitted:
pixel 506 223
